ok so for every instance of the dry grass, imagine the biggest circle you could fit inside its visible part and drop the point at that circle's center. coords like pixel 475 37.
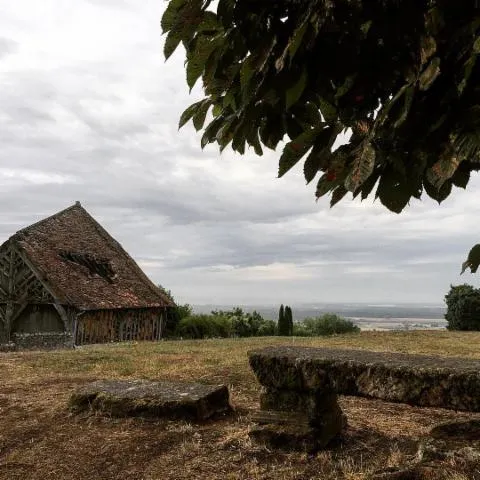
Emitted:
pixel 40 439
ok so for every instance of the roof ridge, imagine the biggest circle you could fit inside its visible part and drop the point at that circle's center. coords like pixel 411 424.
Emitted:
pixel 28 227
pixel 104 233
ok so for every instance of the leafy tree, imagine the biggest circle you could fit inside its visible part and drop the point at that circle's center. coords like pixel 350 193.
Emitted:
pixel 176 314
pixel 246 324
pixel 289 320
pixel 401 77
pixel 463 308
pixel 205 326
pixel 282 322
pixel 329 324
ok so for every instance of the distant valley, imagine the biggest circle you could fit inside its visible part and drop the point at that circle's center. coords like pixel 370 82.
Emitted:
pixel 366 316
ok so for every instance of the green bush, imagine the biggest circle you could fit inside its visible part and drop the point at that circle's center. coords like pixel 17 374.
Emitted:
pixel 247 324
pixel 174 314
pixel 267 329
pixel 327 324
pixel 301 330
pixel 463 308
pixel 205 326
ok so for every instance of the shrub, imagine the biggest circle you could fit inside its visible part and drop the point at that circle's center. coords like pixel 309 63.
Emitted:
pixel 266 329
pixel 246 324
pixel 174 314
pixel 463 308
pixel 328 324
pixel 301 330
pixel 205 326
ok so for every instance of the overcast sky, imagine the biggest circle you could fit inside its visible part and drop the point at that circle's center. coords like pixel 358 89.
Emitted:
pixel 89 112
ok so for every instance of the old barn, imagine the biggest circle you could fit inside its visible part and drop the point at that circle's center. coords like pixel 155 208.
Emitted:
pixel 66 277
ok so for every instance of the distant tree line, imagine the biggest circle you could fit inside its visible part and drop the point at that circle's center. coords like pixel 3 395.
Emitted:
pixel 183 323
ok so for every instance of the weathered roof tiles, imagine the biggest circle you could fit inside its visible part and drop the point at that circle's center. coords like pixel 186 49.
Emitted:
pixel 83 266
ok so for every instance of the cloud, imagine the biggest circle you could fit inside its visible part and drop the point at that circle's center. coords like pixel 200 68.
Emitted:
pixel 90 112
pixel 7 47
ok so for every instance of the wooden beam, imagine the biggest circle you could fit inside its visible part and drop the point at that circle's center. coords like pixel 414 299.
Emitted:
pixel 63 315
pixel 38 275
pixel 16 314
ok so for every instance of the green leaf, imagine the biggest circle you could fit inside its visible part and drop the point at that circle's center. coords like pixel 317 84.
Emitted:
pixel 469 65
pixel 362 168
pixel 368 185
pixel 296 39
pixel 467 146
pixel 238 143
pixel 171 13
pixel 346 86
pixel 189 113
pixel 197 59
pixel 294 93
pixel 225 133
pixel 328 110
pixel 295 150
pixel 476 46
pixel 229 100
pixel 430 74
pixel 210 132
pixel 438 194
pixel 337 195
pixel 309 114
pixel 254 141
pixel 171 43
pixel 209 24
pixel 247 71
pixel 409 95
pixel 313 162
pixel 318 157
pixel 428 46
pixel 271 132
pixel 199 116
pixel 325 185
pixel 443 169
pixel 473 260
pixel 393 191
pixel 217 110
pixel 225 12
pixel 461 178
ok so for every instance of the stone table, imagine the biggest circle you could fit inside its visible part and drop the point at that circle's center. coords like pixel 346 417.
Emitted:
pixel 305 381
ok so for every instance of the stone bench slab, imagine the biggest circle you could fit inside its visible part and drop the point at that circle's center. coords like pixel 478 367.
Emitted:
pixel 444 382
pixel 122 398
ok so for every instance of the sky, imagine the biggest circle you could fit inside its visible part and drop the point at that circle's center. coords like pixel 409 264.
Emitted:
pixel 89 111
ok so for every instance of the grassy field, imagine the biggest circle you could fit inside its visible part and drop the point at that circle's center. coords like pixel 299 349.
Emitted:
pixel 40 439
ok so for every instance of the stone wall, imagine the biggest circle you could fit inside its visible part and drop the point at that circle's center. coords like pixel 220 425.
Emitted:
pixel 42 341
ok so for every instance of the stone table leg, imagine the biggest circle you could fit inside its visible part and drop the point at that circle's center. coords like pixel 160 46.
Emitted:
pixel 297 420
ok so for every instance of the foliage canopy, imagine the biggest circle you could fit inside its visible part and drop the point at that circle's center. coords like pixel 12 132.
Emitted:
pixel 402 77
pixel 463 308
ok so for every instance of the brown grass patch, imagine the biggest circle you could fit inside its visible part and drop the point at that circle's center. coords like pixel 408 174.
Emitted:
pixel 40 439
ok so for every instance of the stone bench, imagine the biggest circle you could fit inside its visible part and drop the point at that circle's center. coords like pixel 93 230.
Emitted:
pixel 306 381
pixel 173 400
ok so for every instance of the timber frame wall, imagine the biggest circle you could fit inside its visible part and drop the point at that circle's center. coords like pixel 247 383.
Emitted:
pixel 119 325
pixel 19 287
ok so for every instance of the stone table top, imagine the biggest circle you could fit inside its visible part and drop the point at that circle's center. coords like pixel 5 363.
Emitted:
pixel 448 382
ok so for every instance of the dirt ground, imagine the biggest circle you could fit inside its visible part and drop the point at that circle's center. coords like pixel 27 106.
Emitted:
pixel 41 439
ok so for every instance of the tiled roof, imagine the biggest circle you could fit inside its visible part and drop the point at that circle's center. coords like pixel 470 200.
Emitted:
pixel 83 265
